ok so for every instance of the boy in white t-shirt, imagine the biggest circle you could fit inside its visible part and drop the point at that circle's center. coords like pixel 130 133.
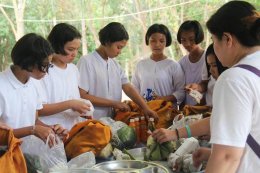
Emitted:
pixel 19 100
pixel 59 88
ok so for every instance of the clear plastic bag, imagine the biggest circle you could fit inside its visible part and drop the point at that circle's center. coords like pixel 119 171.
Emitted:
pixel 114 125
pixel 54 158
pixel 50 158
pixel 85 160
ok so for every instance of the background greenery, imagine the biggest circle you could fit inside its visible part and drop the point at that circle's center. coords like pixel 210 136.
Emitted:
pixel 18 17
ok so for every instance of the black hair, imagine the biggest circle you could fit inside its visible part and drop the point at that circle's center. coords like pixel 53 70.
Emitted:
pixel 159 28
pixel 210 51
pixel 31 50
pixel 60 35
pixel 191 25
pixel 238 18
pixel 112 32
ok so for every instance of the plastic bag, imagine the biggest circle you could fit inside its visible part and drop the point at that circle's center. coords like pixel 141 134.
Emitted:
pixel 54 158
pixel 114 125
pixel 88 114
pixel 85 160
pixel 188 147
pixel 180 121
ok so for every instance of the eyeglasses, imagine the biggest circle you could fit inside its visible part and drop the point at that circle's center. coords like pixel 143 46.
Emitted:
pixel 45 67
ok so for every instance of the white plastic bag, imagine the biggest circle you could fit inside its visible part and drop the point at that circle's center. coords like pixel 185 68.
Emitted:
pixel 88 114
pixel 54 158
pixel 180 121
pixel 188 147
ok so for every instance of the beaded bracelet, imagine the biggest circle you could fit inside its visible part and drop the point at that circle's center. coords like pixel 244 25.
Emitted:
pixel 188 131
pixel 177 134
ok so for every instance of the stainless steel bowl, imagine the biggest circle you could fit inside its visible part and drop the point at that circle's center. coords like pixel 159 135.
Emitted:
pixel 85 170
pixel 130 166
pixel 138 153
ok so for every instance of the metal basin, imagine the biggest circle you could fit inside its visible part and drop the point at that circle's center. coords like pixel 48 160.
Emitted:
pixel 138 153
pixel 130 166
pixel 86 170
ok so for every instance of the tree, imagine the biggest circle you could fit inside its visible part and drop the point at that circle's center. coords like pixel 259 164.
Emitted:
pixel 18 26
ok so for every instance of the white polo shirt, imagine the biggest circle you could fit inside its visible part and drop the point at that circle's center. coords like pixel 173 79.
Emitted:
pixel 236 111
pixel 57 86
pixel 101 78
pixel 164 77
pixel 18 102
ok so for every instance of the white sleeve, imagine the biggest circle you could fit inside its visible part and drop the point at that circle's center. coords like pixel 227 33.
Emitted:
pixel 1 104
pixel 135 79
pixel 232 111
pixel 179 83
pixel 84 73
pixel 124 79
pixel 41 88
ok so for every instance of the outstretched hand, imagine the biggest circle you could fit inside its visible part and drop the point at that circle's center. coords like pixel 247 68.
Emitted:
pixel 163 135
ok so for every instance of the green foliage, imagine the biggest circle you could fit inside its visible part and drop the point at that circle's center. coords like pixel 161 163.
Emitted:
pixel 137 15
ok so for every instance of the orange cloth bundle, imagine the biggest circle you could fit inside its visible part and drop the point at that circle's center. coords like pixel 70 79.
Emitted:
pixel 165 112
pixel 191 110
pixel 163 109
pixel 91 135
pixel 126 116
pixel 12 161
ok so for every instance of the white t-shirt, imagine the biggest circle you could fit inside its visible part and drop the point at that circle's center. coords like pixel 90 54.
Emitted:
pixel 18 102
pixel 194 73
pixel 236 111
pixel 101 78
pixel 209 93
pixel 164 77
pixel 57 86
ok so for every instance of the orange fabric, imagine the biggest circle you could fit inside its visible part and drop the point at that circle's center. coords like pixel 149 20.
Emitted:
pixel 91 135
pixel 126 116
pixel 165 112
pixel 12 161
pixel 191 110
pixel 163 109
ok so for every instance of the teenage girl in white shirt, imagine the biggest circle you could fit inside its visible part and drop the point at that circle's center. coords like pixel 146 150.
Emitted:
pixel 19 101
pixel 101 77
pixel 157 72
pixel 59 88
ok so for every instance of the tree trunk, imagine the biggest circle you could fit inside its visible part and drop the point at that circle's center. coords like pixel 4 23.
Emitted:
pixel 84 39
pixel 19 13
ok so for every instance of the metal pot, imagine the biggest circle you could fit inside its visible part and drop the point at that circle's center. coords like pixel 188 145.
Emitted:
pixel 85 170
pixel 130 166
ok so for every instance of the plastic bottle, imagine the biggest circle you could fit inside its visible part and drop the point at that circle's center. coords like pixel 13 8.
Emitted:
pixel 132 123
pixel 137 130
pixel 151 125
pixel 143 130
